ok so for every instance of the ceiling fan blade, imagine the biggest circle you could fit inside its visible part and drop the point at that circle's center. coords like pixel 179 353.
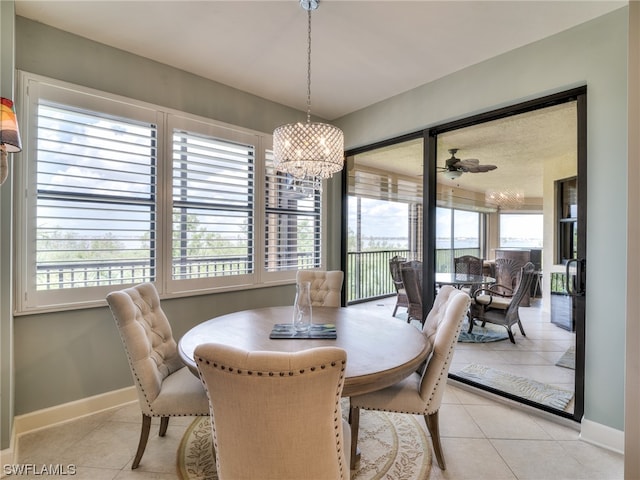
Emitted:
pixel 471 165
pixel 469 162
pixel 481 168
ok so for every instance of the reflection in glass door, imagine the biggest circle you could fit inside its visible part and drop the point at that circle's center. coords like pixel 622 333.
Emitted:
pixel 384 216
pixel 521 216
pixel 457 234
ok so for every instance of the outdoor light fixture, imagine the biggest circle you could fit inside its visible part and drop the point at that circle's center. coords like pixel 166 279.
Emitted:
pixel 9 136
pixel 308 151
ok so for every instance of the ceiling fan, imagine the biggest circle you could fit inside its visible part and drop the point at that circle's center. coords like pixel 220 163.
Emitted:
pixel 454 167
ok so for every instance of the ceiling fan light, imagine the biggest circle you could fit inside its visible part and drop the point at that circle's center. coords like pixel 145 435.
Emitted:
pixel 452 174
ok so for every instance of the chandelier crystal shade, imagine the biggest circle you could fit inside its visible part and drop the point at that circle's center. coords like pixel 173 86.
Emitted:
pixel 505 199
pixel 308 149
pixel 312 151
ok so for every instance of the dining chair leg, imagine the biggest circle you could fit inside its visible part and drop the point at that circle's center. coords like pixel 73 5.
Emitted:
pixel 164 423
pixel 521 329
pixel 354 423
pixel 142 444
pixel 434 429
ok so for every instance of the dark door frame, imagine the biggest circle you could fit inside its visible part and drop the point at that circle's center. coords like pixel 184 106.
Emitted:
pixel 579 95
pixel 430 136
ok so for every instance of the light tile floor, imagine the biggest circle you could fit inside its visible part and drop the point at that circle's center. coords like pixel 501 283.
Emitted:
pixel 482 437
pixel 533 356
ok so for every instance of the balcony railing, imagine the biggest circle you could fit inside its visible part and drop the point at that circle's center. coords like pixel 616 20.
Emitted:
pixel 94 274
pixel 368 275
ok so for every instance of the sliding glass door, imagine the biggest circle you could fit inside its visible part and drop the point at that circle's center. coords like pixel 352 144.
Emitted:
pixel 384 216
pixel 522 189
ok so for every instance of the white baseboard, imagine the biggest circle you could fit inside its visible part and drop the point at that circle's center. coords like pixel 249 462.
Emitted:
pixel 602 436
pixel 72 410
pixel 48 417
pixel 590 432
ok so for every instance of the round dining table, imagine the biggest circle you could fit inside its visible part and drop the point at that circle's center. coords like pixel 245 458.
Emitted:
pixel 380 351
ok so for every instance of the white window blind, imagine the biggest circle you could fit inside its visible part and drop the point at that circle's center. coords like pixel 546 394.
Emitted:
pixel 213 205
pixel 118 192
pixel 292 222
pixel 95 210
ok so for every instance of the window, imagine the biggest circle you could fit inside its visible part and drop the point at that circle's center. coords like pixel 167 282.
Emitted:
pixel 521 230
pixel 212 215
pixel 384 220
pixel 120 192
pixel 567 215
pixel 458 232
pixel 95 199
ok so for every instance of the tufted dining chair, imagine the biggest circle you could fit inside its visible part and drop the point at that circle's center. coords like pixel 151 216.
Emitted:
pixel 165 386
pixel 421 393
pixel 326 286
pixel 276 415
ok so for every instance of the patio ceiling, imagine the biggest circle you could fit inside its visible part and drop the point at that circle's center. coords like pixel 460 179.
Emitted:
pixel 519 146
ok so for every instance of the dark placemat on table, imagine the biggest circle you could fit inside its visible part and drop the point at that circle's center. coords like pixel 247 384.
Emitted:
pixel 317 330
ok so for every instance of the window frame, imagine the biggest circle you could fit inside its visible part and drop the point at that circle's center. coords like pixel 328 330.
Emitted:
pixel 28 300
pixel 453 249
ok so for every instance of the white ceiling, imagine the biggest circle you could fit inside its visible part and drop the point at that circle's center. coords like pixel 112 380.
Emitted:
pixel 362 51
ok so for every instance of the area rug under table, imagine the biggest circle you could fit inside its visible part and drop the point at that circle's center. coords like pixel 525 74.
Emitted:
pixel 482 334
pixel 519 386
pixel 393 447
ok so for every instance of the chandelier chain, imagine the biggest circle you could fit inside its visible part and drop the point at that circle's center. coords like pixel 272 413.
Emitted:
pixel 309 67
pixel 308 152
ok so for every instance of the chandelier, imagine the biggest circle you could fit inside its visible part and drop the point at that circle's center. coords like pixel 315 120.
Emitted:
pixel 507 198
pixel 311 151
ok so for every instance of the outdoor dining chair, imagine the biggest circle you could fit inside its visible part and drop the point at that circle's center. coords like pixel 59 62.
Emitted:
pixel 401 293
pixel 493 306
pixel 411 274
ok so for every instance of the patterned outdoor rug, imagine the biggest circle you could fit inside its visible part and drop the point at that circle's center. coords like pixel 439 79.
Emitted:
pixel 393 447
pixel 519 386
pixel 481 334
pixel 568 359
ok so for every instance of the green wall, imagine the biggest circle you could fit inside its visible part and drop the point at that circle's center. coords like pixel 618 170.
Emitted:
pixel 592 54
pixel 61 357
pixel 6 324
pixel 65 356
